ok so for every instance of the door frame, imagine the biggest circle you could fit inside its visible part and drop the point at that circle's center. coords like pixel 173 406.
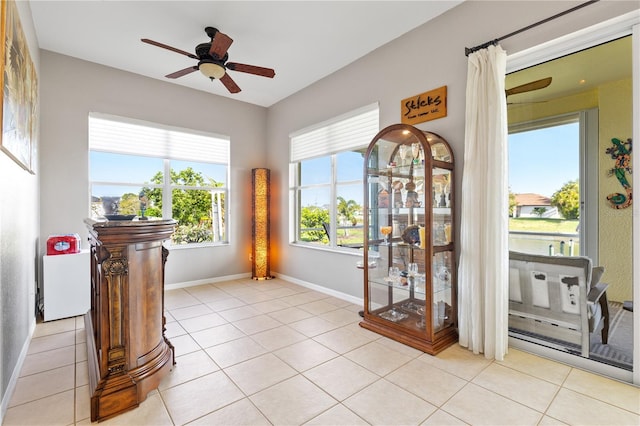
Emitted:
pixel 621 26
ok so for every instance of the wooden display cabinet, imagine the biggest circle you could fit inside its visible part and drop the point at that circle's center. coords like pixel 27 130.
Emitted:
pixel 409 193
pixel 128 353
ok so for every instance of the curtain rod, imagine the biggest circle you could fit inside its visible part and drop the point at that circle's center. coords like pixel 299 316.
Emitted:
pixel 468 51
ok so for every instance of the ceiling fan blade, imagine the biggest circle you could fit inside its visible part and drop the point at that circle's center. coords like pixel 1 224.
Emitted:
pixel 534 85
pixel 251 69
pixel 164 46
pixel 182 72
pixel 220 44
pixel 229 83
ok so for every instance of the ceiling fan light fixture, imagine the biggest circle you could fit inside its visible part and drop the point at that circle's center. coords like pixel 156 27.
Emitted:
pixel 212 70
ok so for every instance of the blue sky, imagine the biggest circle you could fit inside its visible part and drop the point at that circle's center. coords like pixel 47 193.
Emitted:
pixel 542 161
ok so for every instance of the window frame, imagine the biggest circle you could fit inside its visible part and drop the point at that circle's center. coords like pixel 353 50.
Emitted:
pixel 167 186
pixel 331 150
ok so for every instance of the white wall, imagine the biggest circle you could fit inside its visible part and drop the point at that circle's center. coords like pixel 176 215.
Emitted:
pixel 19 214
pixel 426 58
pixel 71 89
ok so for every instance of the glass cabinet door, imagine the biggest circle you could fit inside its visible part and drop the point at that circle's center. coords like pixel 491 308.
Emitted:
pixel 410 290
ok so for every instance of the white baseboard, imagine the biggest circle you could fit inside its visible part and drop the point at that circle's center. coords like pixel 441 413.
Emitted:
pixel 206 281
pixel 325 290
pixel 316 287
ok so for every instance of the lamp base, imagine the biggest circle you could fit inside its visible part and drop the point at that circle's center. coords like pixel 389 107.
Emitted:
pixel 262 278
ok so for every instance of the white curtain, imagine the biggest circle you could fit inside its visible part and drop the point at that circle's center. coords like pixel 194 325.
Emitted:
pixel 484 259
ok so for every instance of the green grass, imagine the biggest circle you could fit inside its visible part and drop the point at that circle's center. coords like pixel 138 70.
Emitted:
pixel 531 224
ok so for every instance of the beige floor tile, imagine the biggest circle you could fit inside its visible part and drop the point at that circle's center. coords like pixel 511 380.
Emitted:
pixel 290 315
pixel 281 292
pixel 341 377
pixel 259 373
pixel 478 406
pixel 318 307
pixel 202 322
pixel 542 368
pixel 527 390
pixel 178 298
pixel 184 345
pixel 151 411
pixel 216 335
pixel 239 313
pixel 207 293
pixel 235 351
pixel 575 408
pixel 257 324
pixel 52 341
pixel 40 385
pixel 442 418
pixel 224 304
pixel 189 367
pixel 190 311
pixel 81 336
pixel 400 347
pixel 299 298
pixel 51 410
pixel 42 361
pixel 201 396
pixel 342 340
pixel 341 303
pixel 341 316
pixel 54 327
pixel 81 352
pixel 305 354
pixel 384 403
pixel 83 404
pixel 458 361
pixel 277 338
pixel 550 421
pixel 270 306
pixel 336 416
pixel 426 381
pixel 292 402
pixel 606 390
pixel 174 329
pixel 378 358
pixel 82 374
pixel 313 326
pixel 252 298
pixel 240 413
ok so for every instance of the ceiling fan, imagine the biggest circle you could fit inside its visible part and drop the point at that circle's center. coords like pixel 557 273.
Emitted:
pixel 529 87
pixel 212 60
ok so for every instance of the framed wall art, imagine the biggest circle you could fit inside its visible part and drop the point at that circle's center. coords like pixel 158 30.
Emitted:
pixel 19 90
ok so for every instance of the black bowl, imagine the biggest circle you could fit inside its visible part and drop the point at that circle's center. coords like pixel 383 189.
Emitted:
pixel 119 216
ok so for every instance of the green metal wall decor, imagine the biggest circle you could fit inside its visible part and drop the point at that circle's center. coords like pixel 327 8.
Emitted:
pixel 621 154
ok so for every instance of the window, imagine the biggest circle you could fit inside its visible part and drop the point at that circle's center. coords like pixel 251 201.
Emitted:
pixel 149 170
pixel 326 187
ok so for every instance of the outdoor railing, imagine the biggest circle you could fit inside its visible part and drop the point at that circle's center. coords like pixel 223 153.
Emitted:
pixel 545 243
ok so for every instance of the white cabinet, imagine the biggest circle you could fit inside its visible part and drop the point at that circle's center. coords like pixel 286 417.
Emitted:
pixel 67 285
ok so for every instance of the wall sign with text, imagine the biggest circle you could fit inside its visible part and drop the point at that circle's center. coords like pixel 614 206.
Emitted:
pixel 424 107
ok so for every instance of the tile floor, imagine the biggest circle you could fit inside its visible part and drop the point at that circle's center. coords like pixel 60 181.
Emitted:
pixel 271 352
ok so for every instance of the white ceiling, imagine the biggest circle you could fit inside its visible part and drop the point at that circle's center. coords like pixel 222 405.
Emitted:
pixel 303 41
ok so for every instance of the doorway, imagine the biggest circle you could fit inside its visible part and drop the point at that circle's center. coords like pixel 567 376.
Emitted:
pixel 588 91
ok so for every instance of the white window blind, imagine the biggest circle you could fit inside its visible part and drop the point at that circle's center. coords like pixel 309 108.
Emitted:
pixel 134 137
pixel 349 131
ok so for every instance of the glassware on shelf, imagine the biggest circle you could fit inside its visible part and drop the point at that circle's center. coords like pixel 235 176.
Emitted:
pixel 386 231
pixel 403 150
pixel 412 269
pixel 415 151
pixel 394 275
pixel 422 324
